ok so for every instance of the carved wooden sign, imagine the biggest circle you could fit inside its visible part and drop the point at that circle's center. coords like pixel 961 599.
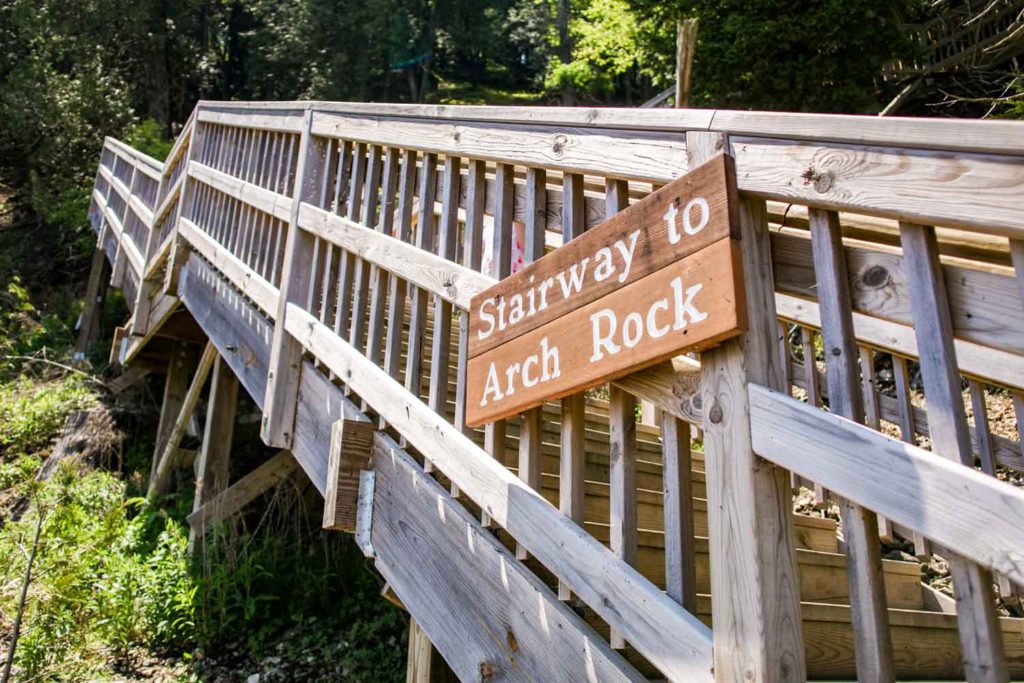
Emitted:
pixel 661 277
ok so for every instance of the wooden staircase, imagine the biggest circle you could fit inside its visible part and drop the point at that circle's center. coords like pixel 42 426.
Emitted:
pixel 327 253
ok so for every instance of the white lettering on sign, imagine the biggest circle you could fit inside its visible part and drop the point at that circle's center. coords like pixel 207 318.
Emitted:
pixel 605 324
pixel 689 228
pixel 526 372
pixel 607 262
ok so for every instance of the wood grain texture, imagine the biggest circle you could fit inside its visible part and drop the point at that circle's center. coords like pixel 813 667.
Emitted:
pixel 667 635
pixel 636 154
pixel 848 458
pixel 860 526
pixel 756 610
pixel 980 637
pixel 970 191
pixel 351 443
pixel 485 613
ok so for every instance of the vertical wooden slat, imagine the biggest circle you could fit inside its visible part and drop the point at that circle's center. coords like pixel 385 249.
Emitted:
pixel 873 415
pixel 476 185
pixel 184 207
pixel 446 246
pixel 982 434
pixel 346 264
pixel 530 428
pixel 980 634
pixel 397 288
pixel 296 279
pixel 378 276
pixel 622 482
pixel 908 429
pixel 677 487
pixel 872 643
pixel 424 240
pixel 361 277
pixel 571 494
pixel 754 578
pixel 1017 258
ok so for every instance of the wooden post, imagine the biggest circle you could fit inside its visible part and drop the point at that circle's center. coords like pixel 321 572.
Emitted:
pixel 167 457
pixel 95 292
pixel 686 45
pixel 351 444
pixel 179 250
pixel 212 463
pixel 425 664
pixel 296 281
pixel 179 368
pixel 756 609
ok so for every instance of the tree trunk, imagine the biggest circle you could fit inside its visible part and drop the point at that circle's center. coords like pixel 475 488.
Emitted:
pixel 565 48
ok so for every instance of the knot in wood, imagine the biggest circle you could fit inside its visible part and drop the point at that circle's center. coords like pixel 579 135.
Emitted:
pixel 716 413
pixel 836 351
pixel 559 144
pixel 486 671
pixel 875 276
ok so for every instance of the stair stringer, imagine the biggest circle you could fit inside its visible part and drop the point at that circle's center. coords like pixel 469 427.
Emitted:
pixel 486 614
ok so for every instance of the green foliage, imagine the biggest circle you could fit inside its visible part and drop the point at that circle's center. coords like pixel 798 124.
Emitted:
pixel 32 412
pixel 148 137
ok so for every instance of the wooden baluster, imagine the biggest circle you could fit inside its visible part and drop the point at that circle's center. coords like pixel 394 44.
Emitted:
pixel 872 643
pixel 531 427
pixel 185 207
pixel 448 232
pixel 908 430
pixel 812 388
pixel 980 634
pixel 323 250
pixel 361 277
pixel 873 416
pixel 418 297
pixel 501 267
pixel 397 287
pixel 986 447
pixel 622 442
pixel 571 491
pixel 347 264
pixel 1017 258
pixel 472 248
pixel 787 358
pixel 285 352
pixel 754 578
pixel 677 487
pixel 379 276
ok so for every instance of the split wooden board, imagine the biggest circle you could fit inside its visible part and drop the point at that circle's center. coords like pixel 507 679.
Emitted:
pixel 661 277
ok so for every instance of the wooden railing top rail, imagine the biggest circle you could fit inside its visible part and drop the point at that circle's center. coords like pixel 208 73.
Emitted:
pixel 130 154
pixel 989 136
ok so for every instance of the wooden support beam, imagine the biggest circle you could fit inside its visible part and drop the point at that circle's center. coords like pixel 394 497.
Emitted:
pixel 434 554
pixel 239 494
pixel 95 291
pixel 166 460
pixel 212 463
pixel 179 368
pixel 425 664
pixel 296 282
pixel 351 444
pixel 756 610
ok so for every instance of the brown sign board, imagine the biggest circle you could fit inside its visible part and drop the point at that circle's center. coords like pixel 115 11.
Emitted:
pixel 659 278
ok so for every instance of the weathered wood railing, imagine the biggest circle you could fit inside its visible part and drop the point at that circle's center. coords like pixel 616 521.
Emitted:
pixel 341 244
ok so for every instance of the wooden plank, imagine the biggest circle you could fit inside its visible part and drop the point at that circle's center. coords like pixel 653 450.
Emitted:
pixel 165 458
pixel 976 360
pixel 879 287
pixel 639 155
pixel 756 610
pixel 622 482
pixel 873 645
pixel 678 220
pixel 296 280
pixel 351 443
pixel 397 288
pixel 472 250
pixel 271 473
pixel 425 664
pixel 241 335
pixel 848 458
pixel 180 365
pixel 281 122
pixel 447 238
pixel 677 491
pixel 663 632
pixel 502 383
pixel 483 611
pixel 378 276
pixel 980 638
pixel 212 461
pixel 417 295
pixel 960 190
pixel 277 205
pixel 250 283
